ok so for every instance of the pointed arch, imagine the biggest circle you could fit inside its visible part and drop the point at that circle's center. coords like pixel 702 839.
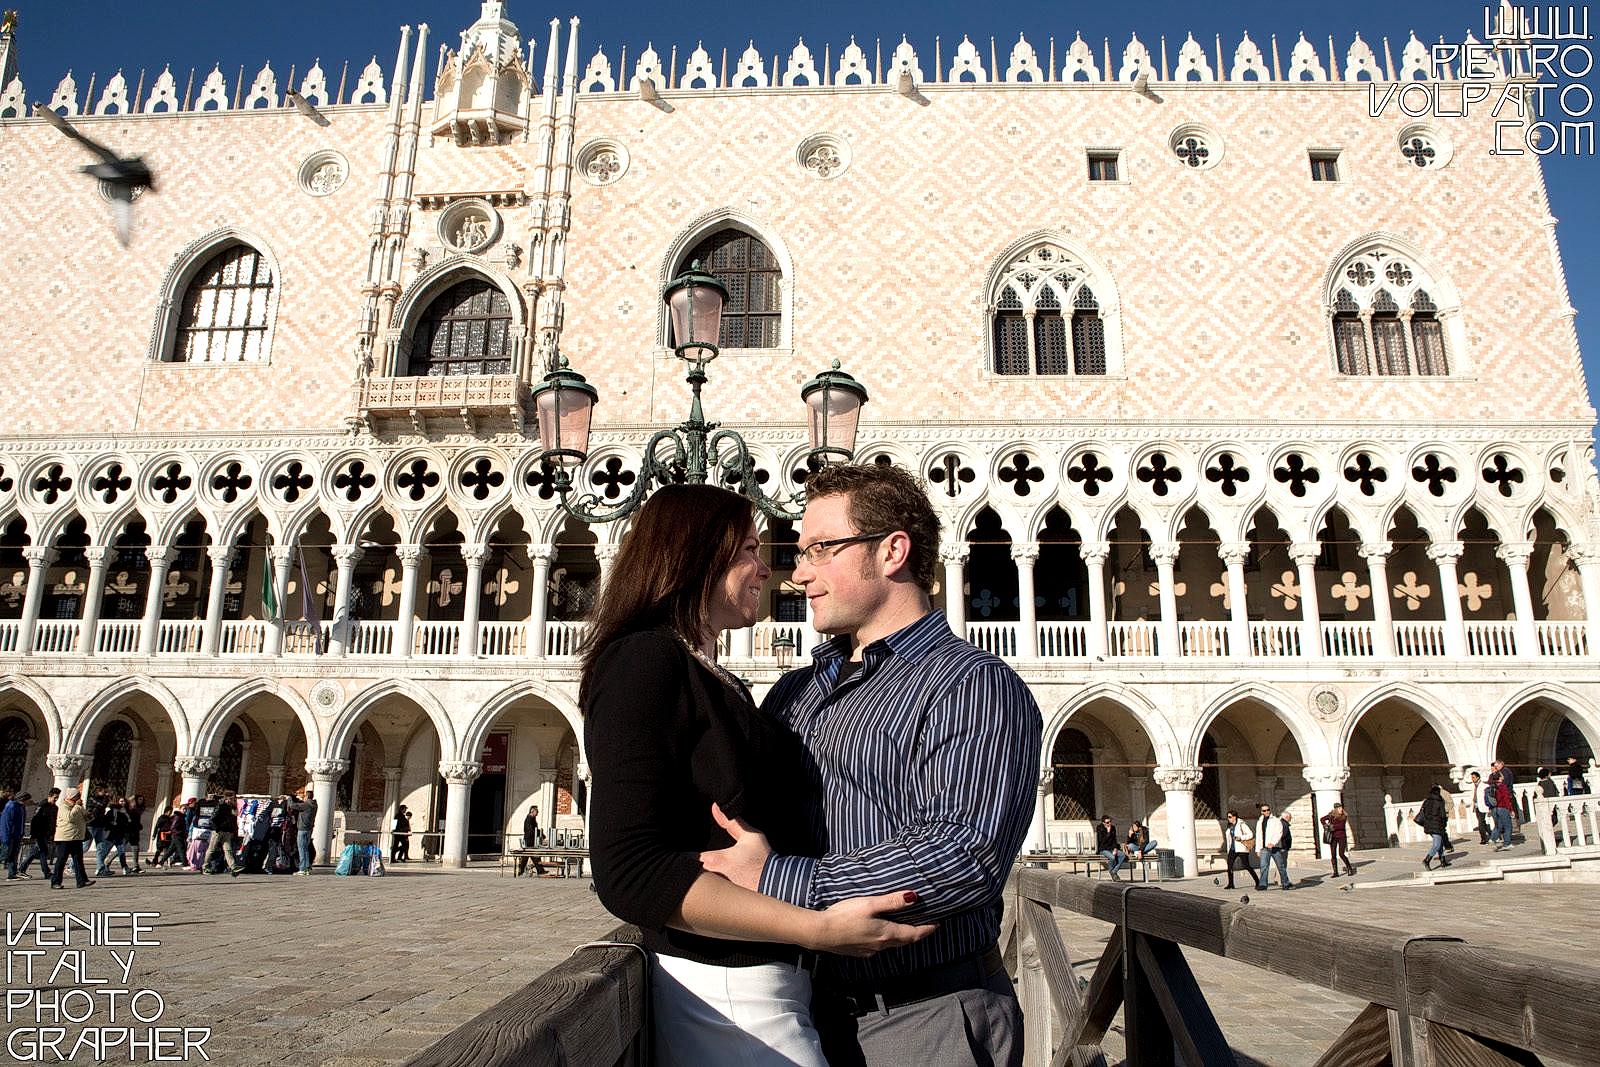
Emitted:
pixel 707 225
pixel 105 702
pixel 432 283
pixel 209 735
pixel 1050 284
pixel 1453 731
pixel 344 727
pixel 27 689
pixel 1163 742
pixel 1581 711
pixel 187 267
pixel 1368 286
pixel 473 738
pixel 1312 742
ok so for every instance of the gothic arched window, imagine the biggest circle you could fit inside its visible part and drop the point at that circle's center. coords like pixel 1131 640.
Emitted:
pixel 1072 773
pixel 14 734
pixel 1032 330
pixel 464 330
pixel 226 309
pixel 753 315
pixel 113 756
pixel 1384 320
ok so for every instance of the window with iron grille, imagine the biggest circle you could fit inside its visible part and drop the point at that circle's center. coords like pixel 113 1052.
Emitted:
pixel 1102 166
pixel 1010 335
pixel 465 330
pixel 113 756
pixel 1044 318
pixel 1072 774
pixel 788 607
pixel 753 315
pixel 1427 336
pixel 1049 335
pixel 229 761
pixel 1388 336
pixel 225 310
pixel 1088 334
pixel 1350 336
pixel 1384 320
pixel 1324 166
pixel 13 752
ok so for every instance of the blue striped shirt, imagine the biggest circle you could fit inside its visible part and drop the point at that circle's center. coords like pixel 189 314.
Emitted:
pixel 927 763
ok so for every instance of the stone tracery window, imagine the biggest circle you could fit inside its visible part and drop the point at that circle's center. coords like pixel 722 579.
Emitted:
pixel 226 309
pixel 1031 329
pixel 465 330
pixel 753 315
pixel 1384 320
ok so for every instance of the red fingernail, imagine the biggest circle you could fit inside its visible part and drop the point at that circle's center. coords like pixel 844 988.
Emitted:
pixel 911 898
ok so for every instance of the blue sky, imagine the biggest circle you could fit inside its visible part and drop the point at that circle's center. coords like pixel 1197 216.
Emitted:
pixel 101 38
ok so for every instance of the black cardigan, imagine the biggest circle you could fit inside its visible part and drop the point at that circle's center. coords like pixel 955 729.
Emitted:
pixel 665 737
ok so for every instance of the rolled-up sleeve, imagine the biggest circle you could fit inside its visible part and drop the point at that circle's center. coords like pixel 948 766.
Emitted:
pixel 633 726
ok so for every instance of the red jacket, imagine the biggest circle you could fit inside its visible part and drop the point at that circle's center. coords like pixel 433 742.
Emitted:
pixel 1502 796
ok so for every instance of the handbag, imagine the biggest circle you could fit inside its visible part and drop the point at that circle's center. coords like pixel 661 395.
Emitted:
pixel 1327 835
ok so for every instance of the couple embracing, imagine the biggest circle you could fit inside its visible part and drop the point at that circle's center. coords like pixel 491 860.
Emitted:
pixel 819 879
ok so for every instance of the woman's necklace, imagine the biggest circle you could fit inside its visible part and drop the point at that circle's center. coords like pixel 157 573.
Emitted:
pixel 722 673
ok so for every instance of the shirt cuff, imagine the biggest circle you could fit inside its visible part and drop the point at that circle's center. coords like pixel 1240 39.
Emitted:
pixel 788 878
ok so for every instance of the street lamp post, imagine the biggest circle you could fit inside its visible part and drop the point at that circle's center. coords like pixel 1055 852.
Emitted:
pixel 695 448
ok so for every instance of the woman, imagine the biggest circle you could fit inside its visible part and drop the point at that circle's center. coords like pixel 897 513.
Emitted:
pixel 1501 802
pixel 1239 839
pixel 668 734
pixel 1335 829
pixel 1433 816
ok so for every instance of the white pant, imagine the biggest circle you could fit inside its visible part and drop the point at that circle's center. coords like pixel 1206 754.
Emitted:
pixel 707 1015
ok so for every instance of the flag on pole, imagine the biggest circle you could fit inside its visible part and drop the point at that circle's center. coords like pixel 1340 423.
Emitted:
pixel 308 604
pixel 269 593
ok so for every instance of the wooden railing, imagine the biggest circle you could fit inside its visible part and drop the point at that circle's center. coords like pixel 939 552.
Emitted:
pixel 1426 1000
pixel 590 1011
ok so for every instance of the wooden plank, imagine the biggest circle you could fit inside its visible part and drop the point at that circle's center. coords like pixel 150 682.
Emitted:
pixel 1364 1043
pixel 586 1010
pixel 1509 997
pixel 1454 1048
pixel 1194 1027
pixel 1033 991
pixel 1104 995
pixel 1145 1031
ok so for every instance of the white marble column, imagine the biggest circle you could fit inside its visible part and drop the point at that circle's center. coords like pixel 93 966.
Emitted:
pixel 539 603
pixel 954 557
pixel 94 595
pixel 275 779
pixel 604 553
pixel 1094 555
pixel 1136 800
pixel 1327 787
pixel 1025 556
pixel 1516 555
pixel 68 769
pixel 345 558
pixel 472 606
pixel 1587 558
pixel 219 556
pixel 458 778
pixel 410 557
pixel 1165 555
pixel 325 775
pixel 196 771
pixel 282 557
pixel 1178 784
pixel 39 560
pixel 1305 555
pixel 1234 553
pixel 1038 833
pixel 160 557
pixel 391 806
pixel 1445 554
pixel 1376 553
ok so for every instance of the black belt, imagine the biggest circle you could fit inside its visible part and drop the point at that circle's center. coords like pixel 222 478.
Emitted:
pixel 864 997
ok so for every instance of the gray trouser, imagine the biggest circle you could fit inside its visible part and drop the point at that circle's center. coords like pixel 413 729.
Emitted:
pixel 970 1028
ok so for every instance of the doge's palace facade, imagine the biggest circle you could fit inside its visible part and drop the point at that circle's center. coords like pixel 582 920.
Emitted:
pixel 1257 424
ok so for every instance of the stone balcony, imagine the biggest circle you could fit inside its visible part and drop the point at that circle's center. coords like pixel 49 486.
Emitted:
pixel 454 402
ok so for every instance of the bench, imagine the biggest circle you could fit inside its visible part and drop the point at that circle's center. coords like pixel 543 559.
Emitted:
pixel 1091 863
pixel 569 861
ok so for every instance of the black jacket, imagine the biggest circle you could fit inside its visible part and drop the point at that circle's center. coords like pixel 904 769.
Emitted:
pixel 665 738
pixel 225 820
pixel 1105 838
pixel 43 826
pixel 1433 816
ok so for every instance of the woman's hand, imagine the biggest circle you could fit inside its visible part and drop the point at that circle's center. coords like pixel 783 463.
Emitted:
pixel 855 927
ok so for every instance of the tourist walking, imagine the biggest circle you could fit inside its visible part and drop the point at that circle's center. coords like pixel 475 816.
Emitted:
pixel 400 843
pixel 1576 782
pixel 13 828
pixel 1239 839
pixel 530 840
pixel 1336 835
pixel 97 809
pixel 1270 832
pixel 120 832
pixel 1481 809
pixel 42 831
pixel 1433 817
pixel 72 827
pixel 304 812
pixel 225 836
pixel 1498 796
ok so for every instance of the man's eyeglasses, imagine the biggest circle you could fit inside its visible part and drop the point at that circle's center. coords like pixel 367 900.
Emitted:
pixel 820 552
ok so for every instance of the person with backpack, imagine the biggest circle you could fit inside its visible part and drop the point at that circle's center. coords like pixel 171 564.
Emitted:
pixel 1432 817
pixel 225 836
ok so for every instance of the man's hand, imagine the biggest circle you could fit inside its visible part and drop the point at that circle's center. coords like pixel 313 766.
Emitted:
pixel 742 862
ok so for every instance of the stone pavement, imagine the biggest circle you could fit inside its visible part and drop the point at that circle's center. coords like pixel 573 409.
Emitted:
pixel 361 972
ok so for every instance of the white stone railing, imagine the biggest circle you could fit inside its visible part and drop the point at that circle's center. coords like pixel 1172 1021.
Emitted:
pixel 10 633
pixel 1131 638
pixel 561 639
pixel 242 637
pixel 118 637
pixel 1203 638
pixel 1562 638
pixel 371 638
pixel 1400 818
pixel 1567 823
pixel 56 635
pixel 436 639
pixel 765 634
pixel 1491 638
pixel 302 638
pixel 502 640
pixel 1063 640
pixel 1342 639
pixel 1275 640
pixel 1419 639
pixel 995 638
pixel 179 636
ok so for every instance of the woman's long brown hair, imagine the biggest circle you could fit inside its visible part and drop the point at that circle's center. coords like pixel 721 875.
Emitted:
pixel 682 542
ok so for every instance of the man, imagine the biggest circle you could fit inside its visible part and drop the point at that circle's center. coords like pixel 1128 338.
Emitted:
pixel 1512 811
pixel 43 832
pixel 1480 807
pixel 400 834
pixel 1239 840
pixel 13 827
pixel 1576 783
pixel 530 839
pixel 225 835
pixel 1270 839
pixel 304 811
pixel 926 754
pixel 97 809
pixel 1109 848
pixel 72 826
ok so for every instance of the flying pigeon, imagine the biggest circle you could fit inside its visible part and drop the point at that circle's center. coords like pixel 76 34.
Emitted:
pixel 305 107
pixel 121 175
